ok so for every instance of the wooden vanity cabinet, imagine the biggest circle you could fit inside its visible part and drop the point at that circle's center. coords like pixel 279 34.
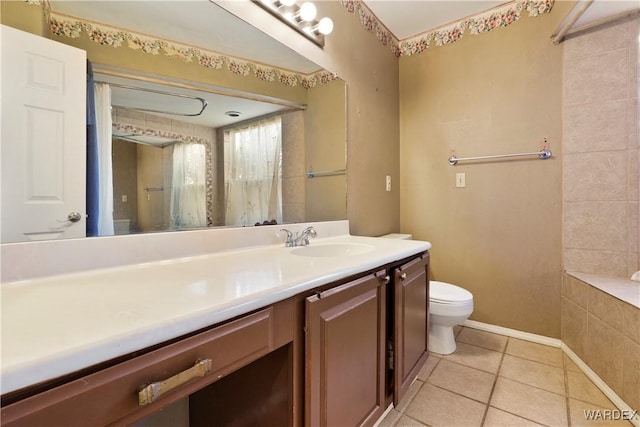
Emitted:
pixel 344 353
pixel 334 356
pixel 111 396
pixel 411 322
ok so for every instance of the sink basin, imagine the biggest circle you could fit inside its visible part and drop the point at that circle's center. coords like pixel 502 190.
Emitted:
pixel 332 250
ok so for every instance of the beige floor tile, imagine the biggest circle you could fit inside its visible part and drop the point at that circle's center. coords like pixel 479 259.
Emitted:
pixel 535 374
pixel 534 351
pixel 461 379
pixel 409 395
pixel 578 413
pixel 390 419
pixel 581 388
pixel 497 418
pixel 408 422
pixel 482 339
pixel 530 402
pixel 476 357
pixel 569 364
pixel 437 407
pixel 426 370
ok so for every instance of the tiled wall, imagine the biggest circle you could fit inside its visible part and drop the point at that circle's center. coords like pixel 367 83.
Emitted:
pixel 600 159
pixel 605 333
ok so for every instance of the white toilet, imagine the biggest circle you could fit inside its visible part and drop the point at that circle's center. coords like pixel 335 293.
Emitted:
pixel 449 305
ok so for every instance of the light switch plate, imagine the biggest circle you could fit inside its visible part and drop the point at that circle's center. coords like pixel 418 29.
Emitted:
pixel 461 180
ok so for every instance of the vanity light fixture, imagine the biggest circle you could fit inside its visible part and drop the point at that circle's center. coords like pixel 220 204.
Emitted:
pixel 301 18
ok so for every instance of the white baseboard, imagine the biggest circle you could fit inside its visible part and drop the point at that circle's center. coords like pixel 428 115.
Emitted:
pixel 514 333
pixel 608 391
pixel 554 342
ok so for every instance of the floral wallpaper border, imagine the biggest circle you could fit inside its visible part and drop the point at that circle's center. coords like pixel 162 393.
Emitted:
pixel 106 35
pixel 137 130
pixel 500 16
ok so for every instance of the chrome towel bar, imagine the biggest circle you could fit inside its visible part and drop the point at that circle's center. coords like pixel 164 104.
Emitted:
pixel 312 174
pixel 545 153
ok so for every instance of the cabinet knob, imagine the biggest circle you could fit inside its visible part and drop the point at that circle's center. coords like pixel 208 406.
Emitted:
pixel 386 279
pixel 403 276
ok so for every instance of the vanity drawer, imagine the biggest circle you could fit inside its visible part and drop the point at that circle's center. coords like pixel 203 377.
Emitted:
pixel 112 395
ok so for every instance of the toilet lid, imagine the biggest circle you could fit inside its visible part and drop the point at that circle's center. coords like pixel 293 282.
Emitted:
pixel 446 292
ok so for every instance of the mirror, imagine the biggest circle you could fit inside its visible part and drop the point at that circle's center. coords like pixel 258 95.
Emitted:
pixel 145 141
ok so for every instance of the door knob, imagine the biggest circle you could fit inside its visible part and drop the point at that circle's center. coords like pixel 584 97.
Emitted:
pixel 74 217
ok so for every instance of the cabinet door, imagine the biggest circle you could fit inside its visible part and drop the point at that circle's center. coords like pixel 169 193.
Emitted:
pixel 345 336
pixel 411 330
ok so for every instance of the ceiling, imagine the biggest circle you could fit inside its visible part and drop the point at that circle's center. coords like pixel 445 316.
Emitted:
pixel 408 18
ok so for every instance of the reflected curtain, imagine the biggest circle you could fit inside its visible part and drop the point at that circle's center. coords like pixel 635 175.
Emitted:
pixel 188 206
pixel 253 173
pixel 102 94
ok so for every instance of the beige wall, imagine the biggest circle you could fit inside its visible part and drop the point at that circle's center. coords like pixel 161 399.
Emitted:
pixel 601 150
pixel 125 181
pixel 605 332
pixel 150 174
pixel 294 178
pixel 372 76
pixel 500 237
pixel 325 133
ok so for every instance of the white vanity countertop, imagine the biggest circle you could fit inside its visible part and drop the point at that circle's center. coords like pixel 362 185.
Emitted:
pixel 57 325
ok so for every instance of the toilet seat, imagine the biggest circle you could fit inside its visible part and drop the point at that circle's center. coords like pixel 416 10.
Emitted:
pixel 446 293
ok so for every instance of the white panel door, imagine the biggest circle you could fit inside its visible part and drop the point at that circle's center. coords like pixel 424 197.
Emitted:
pixel 43 140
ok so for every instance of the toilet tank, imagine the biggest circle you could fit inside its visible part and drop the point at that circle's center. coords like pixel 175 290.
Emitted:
pixel 398 236
pixel 121 226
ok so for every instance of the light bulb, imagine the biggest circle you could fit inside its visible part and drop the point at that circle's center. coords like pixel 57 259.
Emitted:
pixel 325 26
pixel 287 3
pixel 307 11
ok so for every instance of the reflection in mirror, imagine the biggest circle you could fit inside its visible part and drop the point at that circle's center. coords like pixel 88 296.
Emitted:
pixel 239 163
pixel 219 168
pixel 202 60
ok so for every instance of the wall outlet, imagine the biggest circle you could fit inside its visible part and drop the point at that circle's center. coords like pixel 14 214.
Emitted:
pixel 124 198
pixel 388 183
pixel 461 180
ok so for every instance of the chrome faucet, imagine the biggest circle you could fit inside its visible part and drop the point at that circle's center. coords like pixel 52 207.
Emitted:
pixel 301 239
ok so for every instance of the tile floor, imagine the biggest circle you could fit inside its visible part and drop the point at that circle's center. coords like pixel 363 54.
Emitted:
pixel 494 380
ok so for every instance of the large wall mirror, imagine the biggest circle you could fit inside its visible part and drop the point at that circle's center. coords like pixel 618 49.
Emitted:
pixel 177 118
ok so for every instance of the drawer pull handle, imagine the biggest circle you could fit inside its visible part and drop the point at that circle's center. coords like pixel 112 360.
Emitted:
pixel 153 391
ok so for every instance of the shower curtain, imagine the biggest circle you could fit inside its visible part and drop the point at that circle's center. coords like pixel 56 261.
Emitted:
pixel 92 158
pixel 104 174
pixel 188 206
pixel 253 173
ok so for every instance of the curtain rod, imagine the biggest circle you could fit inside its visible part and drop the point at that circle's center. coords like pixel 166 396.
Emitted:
pixel 101 69
pixel 203 102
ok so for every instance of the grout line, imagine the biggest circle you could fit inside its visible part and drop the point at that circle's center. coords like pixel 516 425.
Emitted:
pixel 566 389
pixel 557 343
pixel 493 386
